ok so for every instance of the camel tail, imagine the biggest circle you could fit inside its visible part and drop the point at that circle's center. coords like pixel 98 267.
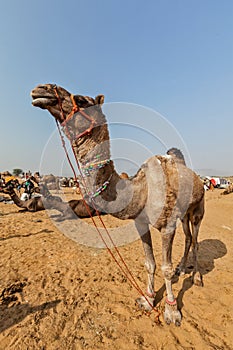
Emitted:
pixel 177 155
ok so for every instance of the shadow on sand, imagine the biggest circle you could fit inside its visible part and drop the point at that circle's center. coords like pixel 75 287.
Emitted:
pixel 10 316
pixel 13 308
pixel 26 235
pixel 209 250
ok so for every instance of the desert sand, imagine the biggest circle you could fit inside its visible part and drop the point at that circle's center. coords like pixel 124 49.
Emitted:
pixel 60 294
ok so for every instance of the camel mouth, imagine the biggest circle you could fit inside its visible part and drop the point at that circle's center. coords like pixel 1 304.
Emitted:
pixel 43 101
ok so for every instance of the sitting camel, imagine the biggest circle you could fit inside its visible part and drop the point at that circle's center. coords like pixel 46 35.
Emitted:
pixel 163 190
pixel 33 204
pixel 228 190
pixel 69 209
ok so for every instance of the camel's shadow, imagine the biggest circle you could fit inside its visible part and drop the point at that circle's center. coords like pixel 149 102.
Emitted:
pixel 10 316
pixel 209 250
pixel 26 235
pixel 13 309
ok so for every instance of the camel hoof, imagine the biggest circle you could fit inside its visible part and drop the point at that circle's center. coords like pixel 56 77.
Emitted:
pixel 167 320
pixel 146 304
pixel 178 323
pixel 197 279
pixel 172 315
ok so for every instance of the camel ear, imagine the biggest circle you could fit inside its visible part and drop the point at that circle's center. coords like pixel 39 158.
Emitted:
pixel 84 101
pixel 99 100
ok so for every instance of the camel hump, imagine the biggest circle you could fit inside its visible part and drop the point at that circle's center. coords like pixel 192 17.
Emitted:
pixel 177 155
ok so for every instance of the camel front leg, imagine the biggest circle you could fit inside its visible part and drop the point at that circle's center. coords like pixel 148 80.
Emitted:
pixel 147 302
pixel 171 313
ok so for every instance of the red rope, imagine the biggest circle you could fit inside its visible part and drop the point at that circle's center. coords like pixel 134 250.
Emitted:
pixel 126 272
pixel 66 152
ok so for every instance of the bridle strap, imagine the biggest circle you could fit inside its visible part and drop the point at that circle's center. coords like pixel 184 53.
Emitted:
pixel 67 154
pixel 75 109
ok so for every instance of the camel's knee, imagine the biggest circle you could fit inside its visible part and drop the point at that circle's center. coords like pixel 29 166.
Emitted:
pixel 168 271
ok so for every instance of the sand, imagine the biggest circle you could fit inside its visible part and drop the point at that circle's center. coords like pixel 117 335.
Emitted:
pixel 56 293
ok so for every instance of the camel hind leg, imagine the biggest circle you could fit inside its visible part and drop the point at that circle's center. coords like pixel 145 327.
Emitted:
pixel 180 270
pixel 193 217
pixel 196 218
pixel 197 277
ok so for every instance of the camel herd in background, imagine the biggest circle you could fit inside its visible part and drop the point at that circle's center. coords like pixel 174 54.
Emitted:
pixel 55 183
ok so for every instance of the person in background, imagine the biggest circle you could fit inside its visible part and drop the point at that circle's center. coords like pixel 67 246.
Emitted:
pixel 28 186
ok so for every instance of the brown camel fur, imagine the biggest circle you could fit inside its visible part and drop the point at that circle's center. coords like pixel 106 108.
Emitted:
pixel 163 190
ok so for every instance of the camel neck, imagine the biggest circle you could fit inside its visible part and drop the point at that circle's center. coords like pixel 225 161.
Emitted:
pixel 93 148
pixel 93 153
pixel 101 183
pixel 16 199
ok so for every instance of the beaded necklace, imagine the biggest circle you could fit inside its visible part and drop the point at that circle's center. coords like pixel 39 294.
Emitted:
pixel 100 189
pixel 95 166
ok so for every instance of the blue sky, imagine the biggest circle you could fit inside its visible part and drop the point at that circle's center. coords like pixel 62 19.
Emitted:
pixel 174 57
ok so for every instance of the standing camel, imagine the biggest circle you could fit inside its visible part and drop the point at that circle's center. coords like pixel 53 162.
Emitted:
pixel 163 190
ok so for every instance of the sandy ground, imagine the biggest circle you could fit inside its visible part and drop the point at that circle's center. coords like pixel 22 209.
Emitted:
pixel 56 293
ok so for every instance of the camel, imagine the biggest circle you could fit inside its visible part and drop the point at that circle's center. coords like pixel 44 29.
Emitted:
pixel 162 191
pixel 32 204
pixel 51 181
pixel 70 210
pixel 228 190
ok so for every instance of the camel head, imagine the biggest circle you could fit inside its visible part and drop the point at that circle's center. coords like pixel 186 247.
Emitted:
pixel 60 103
pixel 177 155
pixel 8 188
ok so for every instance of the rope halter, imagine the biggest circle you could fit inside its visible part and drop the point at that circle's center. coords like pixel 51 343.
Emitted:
pixel 75 109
